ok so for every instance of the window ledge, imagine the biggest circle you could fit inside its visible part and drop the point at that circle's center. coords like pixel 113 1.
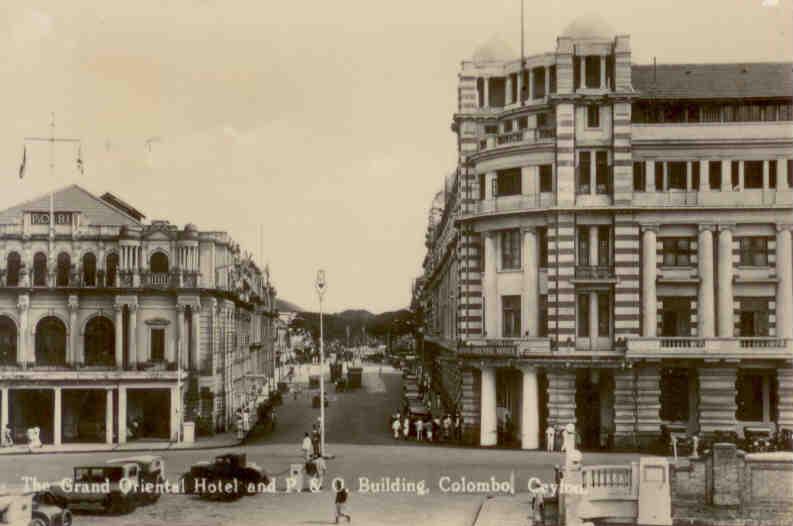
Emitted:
pixel 510 271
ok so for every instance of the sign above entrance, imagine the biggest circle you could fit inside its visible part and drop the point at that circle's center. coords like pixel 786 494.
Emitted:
pixel 43 218
pixel 505 351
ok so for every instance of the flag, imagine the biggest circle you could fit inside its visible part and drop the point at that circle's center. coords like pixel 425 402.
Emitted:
pixel 24 161
pixel 80 165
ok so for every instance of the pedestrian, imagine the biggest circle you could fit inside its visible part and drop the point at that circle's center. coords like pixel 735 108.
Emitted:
pixel 306 447
pixel 419 426
pixel 315 440
pixel 321 469
pixel 428 427
pixel 406 428
pixel 447 427
pixel 396 426
pixel 8 437
pixel 550 437
pixel 341 501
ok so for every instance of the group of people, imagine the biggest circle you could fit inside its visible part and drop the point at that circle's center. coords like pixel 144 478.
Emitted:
pixel 561 438
pixel 427 428
pixel 311 445
pixel 317 468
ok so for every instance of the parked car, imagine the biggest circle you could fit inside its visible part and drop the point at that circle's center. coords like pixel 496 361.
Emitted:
pixel 152 475
pixel 28 509
pixel 227 477
pixel 112 489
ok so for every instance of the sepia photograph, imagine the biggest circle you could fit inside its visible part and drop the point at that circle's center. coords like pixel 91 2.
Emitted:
pixel 413 263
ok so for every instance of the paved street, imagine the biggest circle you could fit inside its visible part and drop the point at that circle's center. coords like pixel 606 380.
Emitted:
pixel 364 452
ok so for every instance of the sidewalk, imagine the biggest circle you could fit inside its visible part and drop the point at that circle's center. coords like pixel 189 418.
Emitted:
pixel 504 511
pixel 220 440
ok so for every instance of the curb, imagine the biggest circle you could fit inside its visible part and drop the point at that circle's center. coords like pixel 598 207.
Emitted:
pixel 126 450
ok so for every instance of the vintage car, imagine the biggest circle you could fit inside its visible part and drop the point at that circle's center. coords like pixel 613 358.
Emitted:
pixel 20 508
pixel 112 489
pixel 228 477
pixel 152 475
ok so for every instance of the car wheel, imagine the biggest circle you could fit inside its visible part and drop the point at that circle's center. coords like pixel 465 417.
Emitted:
pixel 66 518
pixel 38 521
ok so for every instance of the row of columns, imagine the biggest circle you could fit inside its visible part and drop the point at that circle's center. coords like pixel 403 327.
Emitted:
pixel 131 257
pixel 582 72
pixel 530 410
pixel 57 437
pixel 704 175
pixel 724 273
pixel 519 81
pixel 188 258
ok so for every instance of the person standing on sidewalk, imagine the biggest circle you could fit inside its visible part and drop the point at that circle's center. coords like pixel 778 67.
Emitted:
pixel 306 447
pixel 315 440
pixel 341 501
pixel 396 426
pixel 419 428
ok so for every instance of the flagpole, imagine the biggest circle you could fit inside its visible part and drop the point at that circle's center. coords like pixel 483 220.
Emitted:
pixel 52 190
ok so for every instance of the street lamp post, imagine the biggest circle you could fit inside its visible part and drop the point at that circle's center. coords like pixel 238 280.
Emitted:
pixel 321 287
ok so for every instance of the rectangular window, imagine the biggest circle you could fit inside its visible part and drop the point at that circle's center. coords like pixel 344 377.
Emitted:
pixel 508 182
pixel 542 120
pixel 552 80
pixel 754 251
pixel 539 83
pixel 604 314
pixel 507 125
pixel 542 322
pixel 524 93
pixel 714 175
pixel 480 90
pixel 510 306
pixel 639 176
pixel 584 172
pixel 510 249
pixel 576 72
pixel 677 252
pixel 514 93
pixel 754 318
pixel 677 175
pixel 523 123
pixel 604 246
pixel 659 176
pixel 546 178
pixel 498 94
pixel 674 394
pixel 602 173
pixel 790 173
pixel 592 71
pixel 749 397
pixel 542 241
pixel 753 175
pixel 593 116
pixel 676 317
pixel 583 316
pixel 772 173
pixel 583 247
pixel 157 345
pixel 695 175
pixel 482 186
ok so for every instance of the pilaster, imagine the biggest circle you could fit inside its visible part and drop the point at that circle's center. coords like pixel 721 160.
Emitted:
pixel 717 399
pixel 561 397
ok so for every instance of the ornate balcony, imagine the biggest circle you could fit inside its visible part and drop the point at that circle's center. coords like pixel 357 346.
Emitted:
pixel 519 137
pixel 715 348
pixel 514 203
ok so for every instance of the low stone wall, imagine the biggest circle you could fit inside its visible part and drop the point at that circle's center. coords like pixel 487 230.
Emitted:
pixel 727 478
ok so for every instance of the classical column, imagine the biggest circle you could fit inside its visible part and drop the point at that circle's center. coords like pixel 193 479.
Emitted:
pixel 531 84
pixel 531 281
pixel 593 245
pixel 488 435
pixel 547 81
pixel 57 424
pixel 593 319
pixel 119 323
pixel 122 414
pixel 520 87
pixel 508 91
pixel 602 72
pixel 73 352
pixel 3 407
pixel 726 176
pixel 784 289
pixel 487 92
pixel 782 175
pixel 665 165
pixel 490 286
pixel 740 174
pixel 176 410
pixel 180 336
pixel 649 176
pixel 689 177
pixel 582 69
pixel 725 282
pixel 109 416
pixel 766 175
pixel 134 353
pixel 195 352
pixel 649 299
pixel 530 417
pixel 592 172
pixel 705 303
pixel 24 353
pixel 704 176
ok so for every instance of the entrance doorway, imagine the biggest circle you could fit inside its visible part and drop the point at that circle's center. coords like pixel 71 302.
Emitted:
pixel 84 415
pixel 595 408
pixel 149 413
pixel 509 394
pixel 31 408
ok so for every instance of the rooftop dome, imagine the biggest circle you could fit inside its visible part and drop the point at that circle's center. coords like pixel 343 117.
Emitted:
pixel 494 50
pixel 589 26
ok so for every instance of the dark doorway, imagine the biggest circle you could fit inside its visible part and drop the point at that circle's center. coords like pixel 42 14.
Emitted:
pixel 50 342
pixel 8 341
pixel 150 409
pixel 84 415
pixel 587 410
pixel 100 342
pixel 31 408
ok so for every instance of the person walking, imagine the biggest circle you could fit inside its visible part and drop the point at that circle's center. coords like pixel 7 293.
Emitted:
pixel 428 427
pixel 550 438
pixel 306 447
pixel 315 440
pixel 341 501
pixel 419 429
pixel 321 468
pixel 396 426
pixel 406 428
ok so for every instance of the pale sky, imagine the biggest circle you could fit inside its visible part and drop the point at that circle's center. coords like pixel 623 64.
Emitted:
pixel 327 122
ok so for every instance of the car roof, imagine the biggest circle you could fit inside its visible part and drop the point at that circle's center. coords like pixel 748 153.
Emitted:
pixel 100 466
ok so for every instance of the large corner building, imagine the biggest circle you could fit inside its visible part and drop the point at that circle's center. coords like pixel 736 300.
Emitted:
pixel 614 248
pixel 107 322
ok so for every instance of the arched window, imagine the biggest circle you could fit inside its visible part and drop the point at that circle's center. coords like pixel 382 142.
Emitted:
pixel 8 341
pixel 111 269
pixel 100 342
pixel 50 342
pixel 64 267
pixel 40 270
pixel 13 265
pixel 89 270
pixel 159 263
